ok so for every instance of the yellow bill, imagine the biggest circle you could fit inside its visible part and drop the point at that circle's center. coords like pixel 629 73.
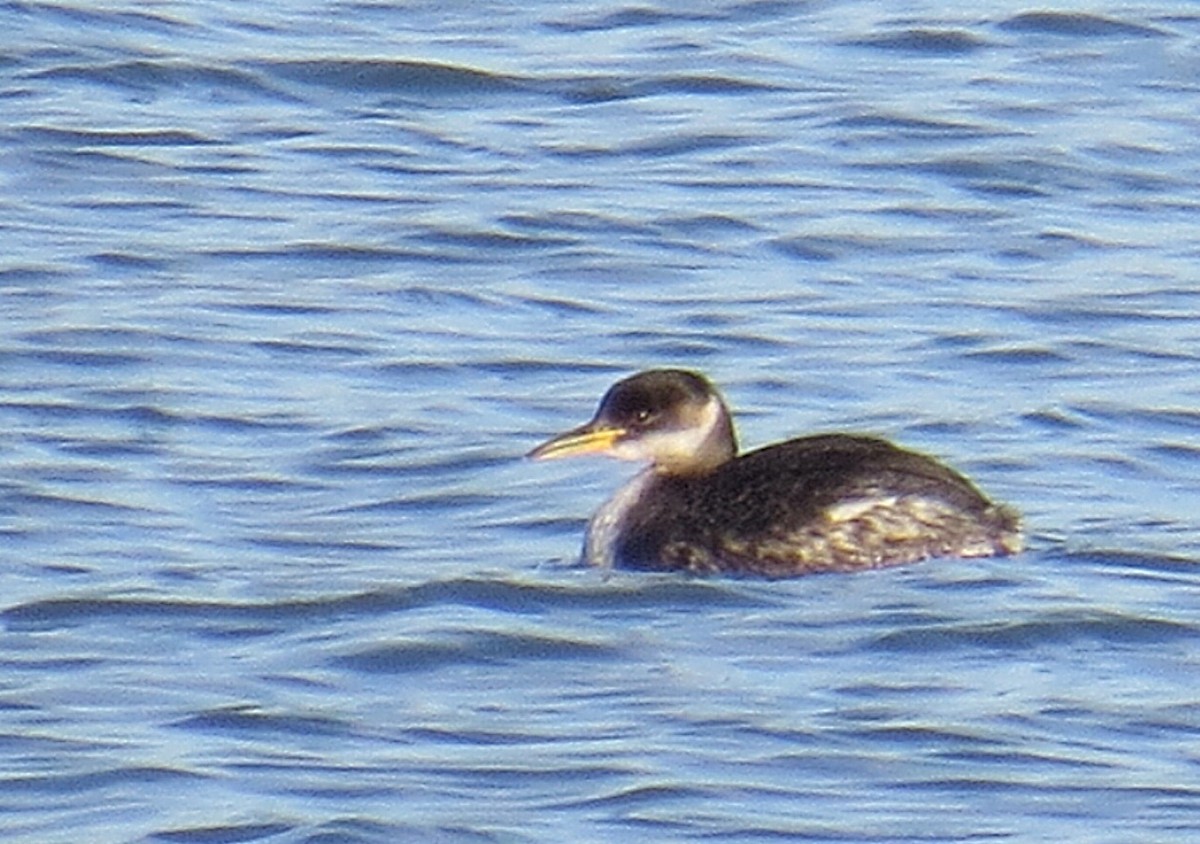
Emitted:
pixel 585 439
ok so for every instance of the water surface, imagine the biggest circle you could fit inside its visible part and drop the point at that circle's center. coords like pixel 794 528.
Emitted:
pixel 289 288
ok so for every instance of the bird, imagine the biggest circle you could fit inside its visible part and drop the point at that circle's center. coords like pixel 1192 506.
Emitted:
pixel 822 503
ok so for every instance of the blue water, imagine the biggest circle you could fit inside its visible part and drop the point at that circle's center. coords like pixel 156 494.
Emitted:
pixel 289 288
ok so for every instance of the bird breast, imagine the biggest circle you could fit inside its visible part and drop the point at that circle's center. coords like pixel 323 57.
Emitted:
pixel 608 523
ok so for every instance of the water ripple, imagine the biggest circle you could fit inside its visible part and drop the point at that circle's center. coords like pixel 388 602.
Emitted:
pixel 226 833
pixel 145 74
pixel 251 720
pixel 502 596
pixel 427 79
pixel 288 288
pixel 98 780
pixel 1112 628
pixel 1078 25
pixel 83 139
pixel 472 648
pixel 929 41
pixel 633 17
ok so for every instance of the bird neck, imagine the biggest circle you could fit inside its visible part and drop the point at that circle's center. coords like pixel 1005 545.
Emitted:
pixel 610 522
pixel 710 444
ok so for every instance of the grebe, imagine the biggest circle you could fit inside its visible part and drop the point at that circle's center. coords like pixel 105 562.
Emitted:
pixel 833 502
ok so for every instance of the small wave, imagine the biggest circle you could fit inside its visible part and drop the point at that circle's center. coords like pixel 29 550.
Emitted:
pixel 664 146
pixel 1078 25
pixel 640 795
pixel 146 416
pixel 627 18
pixel 931 41
pixel 816 248
pixel 143 75
pixel 472 648
pixel 1054 419
pixel 125 22
pixel 611 88
pixel 84 138
pixel 471 243
pixel 1157 419
pixel 497 595
pixel 87 357
pixel 362 830
pixel 223 834
pixel 75 783
pixel 122 260
pixel 1115 628
pixel 1176 452
pixel 77 504
pixel 121 337
pixel 1133 561
pixel 251 719
pixel 902 128
pixel 1009 176
pixel 324 350
pixel 399 77
pixel 711 84
pixel 335 253
pixel 1018 355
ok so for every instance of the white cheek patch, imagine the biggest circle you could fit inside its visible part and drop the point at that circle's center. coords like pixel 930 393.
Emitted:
pixel 674 446
pixel 681 445
pixel 630 449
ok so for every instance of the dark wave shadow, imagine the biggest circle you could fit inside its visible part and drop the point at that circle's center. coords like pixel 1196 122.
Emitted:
pixel 497 595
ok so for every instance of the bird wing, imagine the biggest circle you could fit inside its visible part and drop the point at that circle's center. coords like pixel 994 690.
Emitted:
pixel 825 503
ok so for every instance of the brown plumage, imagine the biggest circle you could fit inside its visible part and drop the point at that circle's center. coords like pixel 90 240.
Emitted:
pixel 834 502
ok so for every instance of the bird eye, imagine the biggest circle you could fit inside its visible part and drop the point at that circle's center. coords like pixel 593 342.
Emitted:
pixel 642 416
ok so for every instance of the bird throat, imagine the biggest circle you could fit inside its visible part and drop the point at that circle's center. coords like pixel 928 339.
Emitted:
pixel 609 522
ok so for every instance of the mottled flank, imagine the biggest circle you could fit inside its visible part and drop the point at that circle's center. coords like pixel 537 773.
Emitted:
pixel 883 532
